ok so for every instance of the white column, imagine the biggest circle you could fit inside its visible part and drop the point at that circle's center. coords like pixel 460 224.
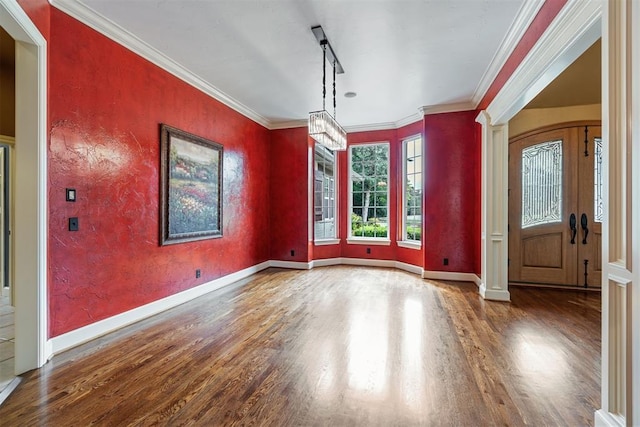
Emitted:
pixel 494 252
pixel 621 236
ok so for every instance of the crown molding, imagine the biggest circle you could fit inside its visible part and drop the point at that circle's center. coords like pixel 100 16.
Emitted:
pixel 446 108
pixel 113 31
pixel 108 28
pixel 528 11
pixel 289 124
pixel 409 119
pixel 371 127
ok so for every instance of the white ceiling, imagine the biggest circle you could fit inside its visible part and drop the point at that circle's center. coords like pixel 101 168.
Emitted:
pixel 261 57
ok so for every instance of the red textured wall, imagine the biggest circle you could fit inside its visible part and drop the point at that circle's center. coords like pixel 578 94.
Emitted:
pixel 105 106
pixel 38 11
pixel 546 14
pixel 452 192
pixel 289 194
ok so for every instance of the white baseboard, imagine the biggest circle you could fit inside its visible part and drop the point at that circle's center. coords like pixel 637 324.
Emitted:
pixel 48 349
pixel 102 327
pixel 294 265
pixel 87 333
pixel 370 263
pixel 326 262
pixel 410 268
pixel 494 294
pixel 606 419
pixel 449 275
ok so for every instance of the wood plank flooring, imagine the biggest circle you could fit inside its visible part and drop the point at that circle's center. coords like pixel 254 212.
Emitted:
pixel 332 346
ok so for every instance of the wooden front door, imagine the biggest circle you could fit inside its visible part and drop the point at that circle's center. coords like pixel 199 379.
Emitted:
pixel 555 208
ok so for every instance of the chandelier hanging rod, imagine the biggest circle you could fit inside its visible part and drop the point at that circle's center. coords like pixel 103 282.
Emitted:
pixel 331 55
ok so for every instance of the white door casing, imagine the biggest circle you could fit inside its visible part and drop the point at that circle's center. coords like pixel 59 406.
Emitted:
pixel 576 27
pixel 32 348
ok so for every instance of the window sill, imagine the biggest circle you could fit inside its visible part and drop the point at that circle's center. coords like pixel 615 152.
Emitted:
pixel 409 244
pixel 368 241
pixel 325 242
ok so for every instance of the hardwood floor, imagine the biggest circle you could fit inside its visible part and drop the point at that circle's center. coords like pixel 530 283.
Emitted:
pixel 332 346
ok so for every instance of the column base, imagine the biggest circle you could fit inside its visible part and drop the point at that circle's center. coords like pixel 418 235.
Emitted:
pixel 494 294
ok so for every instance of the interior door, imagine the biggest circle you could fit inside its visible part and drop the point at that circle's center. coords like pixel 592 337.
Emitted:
pixel 554 236
pixel 590 207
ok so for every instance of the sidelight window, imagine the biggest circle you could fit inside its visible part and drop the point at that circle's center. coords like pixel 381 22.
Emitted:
pixel 597 179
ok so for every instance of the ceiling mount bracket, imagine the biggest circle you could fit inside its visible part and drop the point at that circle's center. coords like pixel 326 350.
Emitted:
pixel 331 55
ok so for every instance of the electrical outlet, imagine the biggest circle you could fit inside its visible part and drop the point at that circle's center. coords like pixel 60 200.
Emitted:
pixel 293 253
pixel 74 224
pixel 445 261
pixel 197 273
pixel 368 250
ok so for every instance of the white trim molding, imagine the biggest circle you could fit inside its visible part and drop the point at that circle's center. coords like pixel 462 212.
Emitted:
pixel 292 265
pixel 573 31
pixel 87 333
pixel 494 214
pixel 326 242
pixel 289 124
pixel 450 275
pixel 115 32
pixel 372 127
pixel 369 263
pixel 605 419
pixel 95 330
pixel 368 241
pixel 30 227
pixel 108 28
pixel 446 108
pixel 620 238
pixel 528 11
pixel 408 244
pixel 575 28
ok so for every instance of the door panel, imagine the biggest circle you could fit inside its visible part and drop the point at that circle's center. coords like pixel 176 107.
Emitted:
pixel 542 251
pixel 554 175
pixel 542 189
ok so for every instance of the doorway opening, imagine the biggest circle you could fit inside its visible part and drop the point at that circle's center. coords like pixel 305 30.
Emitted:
pixel 28 232
pixel 7 139
pixel 555 182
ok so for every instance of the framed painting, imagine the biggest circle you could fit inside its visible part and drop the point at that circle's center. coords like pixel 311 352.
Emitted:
pixel 191 196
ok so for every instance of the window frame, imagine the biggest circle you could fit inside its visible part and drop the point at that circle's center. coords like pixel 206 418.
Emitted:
pixel 362 240
pixel 404 241
pixel 328 240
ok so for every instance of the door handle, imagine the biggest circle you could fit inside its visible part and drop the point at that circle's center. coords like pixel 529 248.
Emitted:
pixel 585 229
pixel 572 226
